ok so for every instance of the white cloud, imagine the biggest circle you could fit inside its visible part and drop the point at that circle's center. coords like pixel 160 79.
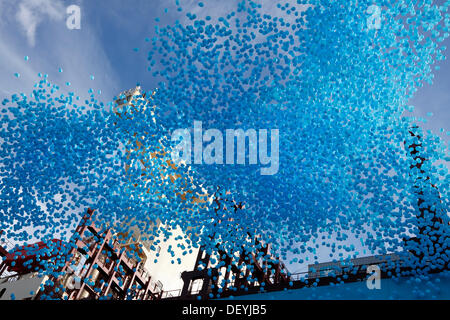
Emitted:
pixel 32 12
pixel 78 52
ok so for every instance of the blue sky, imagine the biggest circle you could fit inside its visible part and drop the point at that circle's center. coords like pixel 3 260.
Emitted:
pixel 103 47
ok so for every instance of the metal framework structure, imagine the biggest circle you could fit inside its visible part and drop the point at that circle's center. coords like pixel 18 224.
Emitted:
pixel 110 269
pixel 209 276
pixel 98 266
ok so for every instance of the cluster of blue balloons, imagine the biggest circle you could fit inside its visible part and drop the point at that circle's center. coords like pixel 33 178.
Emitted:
pixel 352 163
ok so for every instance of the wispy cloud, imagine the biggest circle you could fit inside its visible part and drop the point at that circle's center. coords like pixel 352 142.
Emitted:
pixel 32 12
pixel 78 53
